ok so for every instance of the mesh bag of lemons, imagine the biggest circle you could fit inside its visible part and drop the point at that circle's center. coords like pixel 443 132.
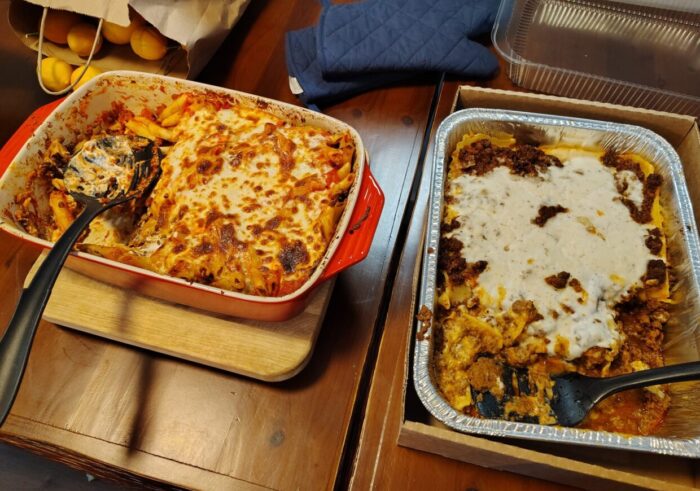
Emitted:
pixel 78 33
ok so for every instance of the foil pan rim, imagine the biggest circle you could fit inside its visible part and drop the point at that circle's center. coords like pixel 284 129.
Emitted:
pixel 428 392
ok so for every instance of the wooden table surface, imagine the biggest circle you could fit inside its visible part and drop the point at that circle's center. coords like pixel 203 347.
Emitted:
pixel 140 418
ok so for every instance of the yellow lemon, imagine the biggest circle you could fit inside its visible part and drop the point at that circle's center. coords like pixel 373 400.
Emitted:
pixel 55 73
pixel 81 37
pixel 117 34
pixel 148 43
pixel 57 25
pixel 89 73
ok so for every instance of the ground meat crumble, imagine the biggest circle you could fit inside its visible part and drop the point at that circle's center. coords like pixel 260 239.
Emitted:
pixel 547 212
pixel 482 157
pixel 558 280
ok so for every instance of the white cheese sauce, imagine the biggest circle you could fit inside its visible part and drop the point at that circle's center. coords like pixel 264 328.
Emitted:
pixel 596 241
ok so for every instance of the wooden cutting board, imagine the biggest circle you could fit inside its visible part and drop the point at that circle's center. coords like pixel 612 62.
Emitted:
pixel 269 351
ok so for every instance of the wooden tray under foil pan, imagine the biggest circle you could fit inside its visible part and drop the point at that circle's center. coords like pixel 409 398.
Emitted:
pixel 268 351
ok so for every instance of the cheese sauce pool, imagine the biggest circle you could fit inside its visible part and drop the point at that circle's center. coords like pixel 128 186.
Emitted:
pixel 596 241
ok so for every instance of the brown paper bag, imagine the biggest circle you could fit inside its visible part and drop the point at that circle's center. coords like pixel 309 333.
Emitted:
pixel 199 26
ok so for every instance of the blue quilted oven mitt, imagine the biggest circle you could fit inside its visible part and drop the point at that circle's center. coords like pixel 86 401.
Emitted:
pixel 406 35
pixel 306 80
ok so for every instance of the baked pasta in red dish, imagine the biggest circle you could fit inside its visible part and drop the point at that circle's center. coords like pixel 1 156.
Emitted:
pixel 247 201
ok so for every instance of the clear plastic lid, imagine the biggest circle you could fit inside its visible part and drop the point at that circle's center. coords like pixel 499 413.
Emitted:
pixel 639 52
pixel 692 6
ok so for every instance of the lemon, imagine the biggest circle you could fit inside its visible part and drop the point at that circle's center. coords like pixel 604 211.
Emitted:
pixel 114 33
pixel 55 73
pixel 148 43
pixel 57 25
pixel 89 73
pixel 81 37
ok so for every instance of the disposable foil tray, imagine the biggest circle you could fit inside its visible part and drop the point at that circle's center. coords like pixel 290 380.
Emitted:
pixel 680 432
pixel 642 53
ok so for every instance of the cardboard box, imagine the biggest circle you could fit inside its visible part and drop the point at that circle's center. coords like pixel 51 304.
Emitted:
pixel 581 466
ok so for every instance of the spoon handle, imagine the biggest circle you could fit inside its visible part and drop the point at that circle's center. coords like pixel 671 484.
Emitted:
pixel 15 344
pixel 662 375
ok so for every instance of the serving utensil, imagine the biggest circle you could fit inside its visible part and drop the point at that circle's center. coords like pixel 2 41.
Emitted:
pixel 574 395
pixel 107 171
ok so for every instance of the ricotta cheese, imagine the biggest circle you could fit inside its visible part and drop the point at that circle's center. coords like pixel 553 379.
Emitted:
pixel 595 240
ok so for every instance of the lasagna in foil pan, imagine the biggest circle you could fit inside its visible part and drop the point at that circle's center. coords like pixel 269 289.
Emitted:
pixel 558 245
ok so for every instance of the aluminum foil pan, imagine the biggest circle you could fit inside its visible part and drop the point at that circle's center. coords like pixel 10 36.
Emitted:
pixel 680 433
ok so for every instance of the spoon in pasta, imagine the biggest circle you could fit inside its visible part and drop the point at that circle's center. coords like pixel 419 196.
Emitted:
pixel 574 395
pixel 107 171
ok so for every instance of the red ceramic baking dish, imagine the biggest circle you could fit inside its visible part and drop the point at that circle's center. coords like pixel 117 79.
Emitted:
pixel 69 118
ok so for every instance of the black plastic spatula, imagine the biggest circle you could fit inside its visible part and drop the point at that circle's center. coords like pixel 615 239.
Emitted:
pixel 574 395
pixel 107 171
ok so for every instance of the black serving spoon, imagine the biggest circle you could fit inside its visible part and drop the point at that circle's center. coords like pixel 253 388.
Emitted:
pixel 574 395
pixel 106 172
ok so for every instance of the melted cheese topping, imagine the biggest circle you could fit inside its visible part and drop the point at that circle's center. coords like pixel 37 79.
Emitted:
pixel 596 241
pixel 246 202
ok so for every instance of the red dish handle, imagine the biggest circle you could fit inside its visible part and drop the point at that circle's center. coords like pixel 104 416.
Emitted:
pixel 354 246
pixel 23 133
